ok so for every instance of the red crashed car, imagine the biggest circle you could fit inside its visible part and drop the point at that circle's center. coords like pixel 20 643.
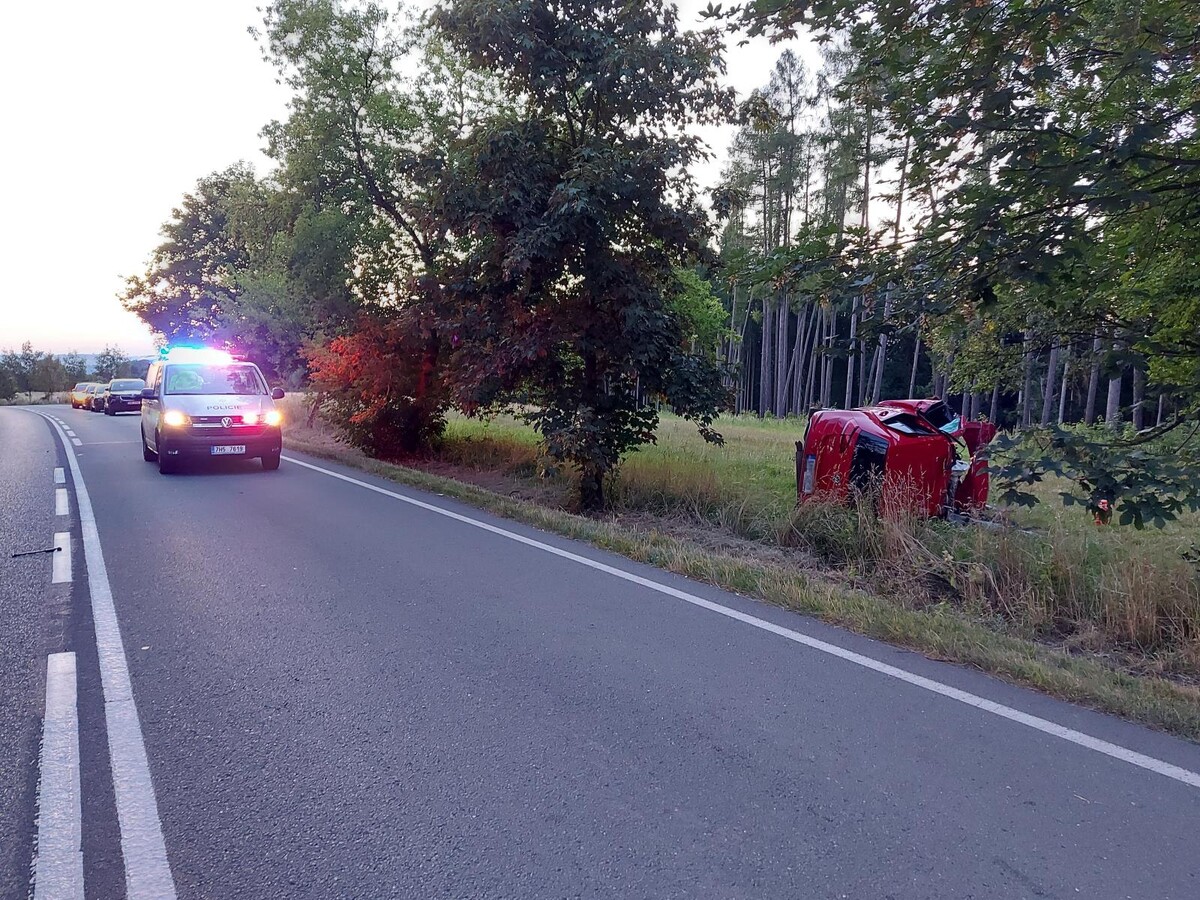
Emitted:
pixel 918 452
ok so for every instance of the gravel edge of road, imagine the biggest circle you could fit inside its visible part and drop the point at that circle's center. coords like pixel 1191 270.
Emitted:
pixel 940 634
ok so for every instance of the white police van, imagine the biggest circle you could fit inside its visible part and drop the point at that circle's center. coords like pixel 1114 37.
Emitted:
pixel 201 403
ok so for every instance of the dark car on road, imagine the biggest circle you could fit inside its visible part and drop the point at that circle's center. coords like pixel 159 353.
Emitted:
pixel 121 395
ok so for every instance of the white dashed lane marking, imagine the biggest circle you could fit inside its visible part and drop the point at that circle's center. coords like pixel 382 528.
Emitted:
pixel 62 559
pixel 58 872
pixel 62 502
pixel 147 872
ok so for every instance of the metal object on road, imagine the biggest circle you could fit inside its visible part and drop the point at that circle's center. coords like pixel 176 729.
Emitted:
pixel 35 552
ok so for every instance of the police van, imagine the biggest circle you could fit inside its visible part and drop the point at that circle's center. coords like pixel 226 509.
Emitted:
pixel 202 403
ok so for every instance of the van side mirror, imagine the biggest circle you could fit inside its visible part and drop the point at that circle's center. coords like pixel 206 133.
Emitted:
pixel 277 393
pixel 148 394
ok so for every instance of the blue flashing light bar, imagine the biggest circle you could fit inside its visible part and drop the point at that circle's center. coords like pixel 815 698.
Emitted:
pixel 187 354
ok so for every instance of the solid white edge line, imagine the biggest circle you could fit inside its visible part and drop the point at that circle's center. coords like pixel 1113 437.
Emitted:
pixel 1045 726
pixel 60 477
pixel 58 870
pixel 61 566
pixel 62 505
pixel 147 871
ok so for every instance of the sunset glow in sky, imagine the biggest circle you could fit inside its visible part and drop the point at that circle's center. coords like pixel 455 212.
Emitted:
pixel 112 112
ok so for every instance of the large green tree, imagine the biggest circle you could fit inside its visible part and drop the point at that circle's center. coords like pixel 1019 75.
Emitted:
pixel 190 285
pixel 572 213
pixel 111 363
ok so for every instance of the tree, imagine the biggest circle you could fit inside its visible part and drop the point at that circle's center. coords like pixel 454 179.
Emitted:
pixel 110 363
pixel 701 315
pixel 190 285
pixel 49 376
pixel 26 364
pixel 378 382
pixel 573 216
pixel 75 367
pixel 8 376
pixel 255 266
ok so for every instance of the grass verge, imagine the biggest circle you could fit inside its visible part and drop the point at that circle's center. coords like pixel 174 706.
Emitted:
pixel 939 631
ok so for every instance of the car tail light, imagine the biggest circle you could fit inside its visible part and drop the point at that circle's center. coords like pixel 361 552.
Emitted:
pixel 810 467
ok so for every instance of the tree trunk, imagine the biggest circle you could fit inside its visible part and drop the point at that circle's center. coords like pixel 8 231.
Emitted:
pixel 995 410
pixel 912 379
pixel 1062 394
pixel 850 360
pixel 1112 409
pixel 792 380
pixel 1089 415
pixel 1048 397
pixel 810 389
pixel 862 359
pixel 827 361
pixel 783 317
pixel 591 487
pixel 1162 402
pixel 766 364
pixel 1139 398
pixel 881 353
pixel 1027 382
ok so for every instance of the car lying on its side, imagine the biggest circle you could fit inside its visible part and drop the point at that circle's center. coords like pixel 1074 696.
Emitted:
pixel 122 395
pixel 79 395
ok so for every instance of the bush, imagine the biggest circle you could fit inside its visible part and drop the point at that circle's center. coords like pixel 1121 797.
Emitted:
pixel 379 387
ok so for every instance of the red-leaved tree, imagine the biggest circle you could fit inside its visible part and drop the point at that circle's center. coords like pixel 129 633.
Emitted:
pixel 380 386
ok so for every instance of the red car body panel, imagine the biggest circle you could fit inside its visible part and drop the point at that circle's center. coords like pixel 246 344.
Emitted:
pixel 897 446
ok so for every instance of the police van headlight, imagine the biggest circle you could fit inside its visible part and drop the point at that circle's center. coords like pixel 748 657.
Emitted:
pixel 175 418
pixel 271 417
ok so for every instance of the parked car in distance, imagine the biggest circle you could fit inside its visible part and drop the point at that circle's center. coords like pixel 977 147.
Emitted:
pixel 122 395
pixel 92 393
pixel 79 394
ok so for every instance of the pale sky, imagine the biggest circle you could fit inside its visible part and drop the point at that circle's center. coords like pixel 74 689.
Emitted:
pixel 112 112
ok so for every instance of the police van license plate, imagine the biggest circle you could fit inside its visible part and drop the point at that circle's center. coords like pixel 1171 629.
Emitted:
pixel 228 449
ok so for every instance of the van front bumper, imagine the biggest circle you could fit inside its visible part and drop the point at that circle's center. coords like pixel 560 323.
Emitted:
pixel 183 442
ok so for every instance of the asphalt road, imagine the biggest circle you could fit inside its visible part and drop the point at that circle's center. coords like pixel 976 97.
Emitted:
pixel 346 695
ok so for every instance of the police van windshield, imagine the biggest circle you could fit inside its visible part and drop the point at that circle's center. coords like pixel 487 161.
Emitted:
pixel 202 379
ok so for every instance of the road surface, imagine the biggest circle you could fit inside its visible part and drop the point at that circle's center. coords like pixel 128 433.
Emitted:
pixel 319 688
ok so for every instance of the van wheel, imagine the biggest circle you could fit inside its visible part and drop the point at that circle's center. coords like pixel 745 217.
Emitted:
pixel 166 465
pixel 147 454
pixel 270 461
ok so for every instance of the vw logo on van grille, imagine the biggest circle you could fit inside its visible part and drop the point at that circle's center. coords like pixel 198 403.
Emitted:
pixel 226 422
